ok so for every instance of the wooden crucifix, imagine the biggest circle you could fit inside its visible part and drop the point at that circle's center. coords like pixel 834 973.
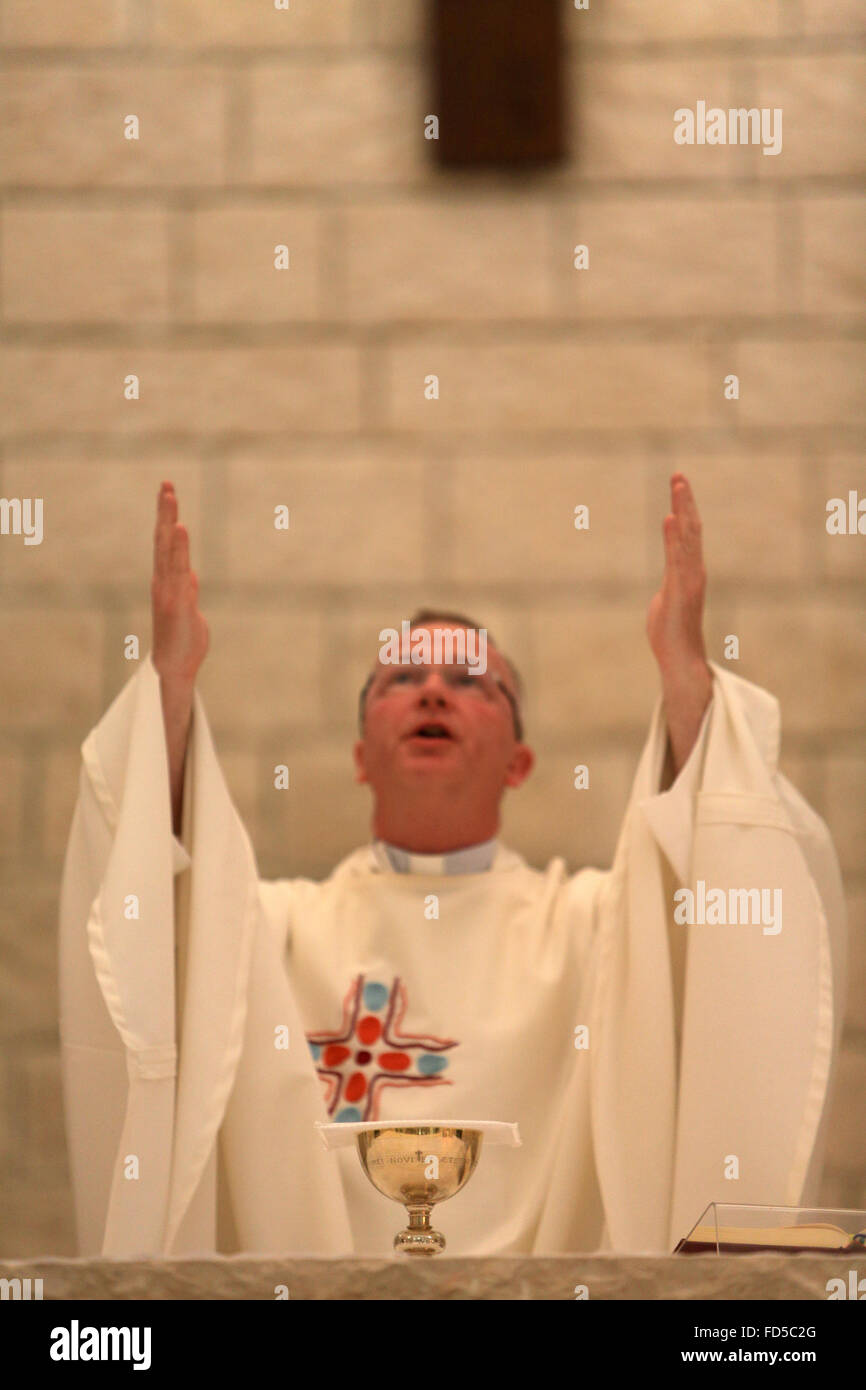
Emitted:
pixel 497 86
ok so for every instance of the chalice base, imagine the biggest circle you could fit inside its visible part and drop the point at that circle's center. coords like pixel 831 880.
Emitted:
pixel 419 1238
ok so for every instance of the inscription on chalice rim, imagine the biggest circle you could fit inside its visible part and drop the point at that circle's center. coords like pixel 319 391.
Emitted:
pixel 418 1157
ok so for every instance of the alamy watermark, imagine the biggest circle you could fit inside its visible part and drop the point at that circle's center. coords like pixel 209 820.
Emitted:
pixel 846 519
pixel 20 1289
pixel 442 647
pixel 738 125
pixel 77 1343
pixel 717 907
pixel 22 516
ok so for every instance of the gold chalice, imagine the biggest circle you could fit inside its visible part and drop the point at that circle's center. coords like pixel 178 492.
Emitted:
pixel 419 1163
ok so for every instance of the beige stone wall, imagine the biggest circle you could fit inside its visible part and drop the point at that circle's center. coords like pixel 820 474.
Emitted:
pixel 304 387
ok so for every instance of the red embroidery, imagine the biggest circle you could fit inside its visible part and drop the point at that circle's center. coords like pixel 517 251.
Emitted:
pixel 354 1077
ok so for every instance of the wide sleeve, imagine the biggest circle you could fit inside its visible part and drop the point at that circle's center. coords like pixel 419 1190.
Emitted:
pixel 671 813
pixel 117 979
pixel 733 1110
pixel 163 942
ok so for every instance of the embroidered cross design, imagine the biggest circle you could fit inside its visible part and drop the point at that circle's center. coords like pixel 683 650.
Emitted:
pixel 370 1051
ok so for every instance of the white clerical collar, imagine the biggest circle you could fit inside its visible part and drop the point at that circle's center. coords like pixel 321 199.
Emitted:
pixel 472 860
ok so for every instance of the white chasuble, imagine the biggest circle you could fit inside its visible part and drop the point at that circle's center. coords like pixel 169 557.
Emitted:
pixel 209 1018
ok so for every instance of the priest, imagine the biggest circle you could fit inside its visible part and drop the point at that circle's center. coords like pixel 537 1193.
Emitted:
pixel 653 1061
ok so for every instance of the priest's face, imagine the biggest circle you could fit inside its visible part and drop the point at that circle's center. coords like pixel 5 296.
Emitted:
pixel 439 744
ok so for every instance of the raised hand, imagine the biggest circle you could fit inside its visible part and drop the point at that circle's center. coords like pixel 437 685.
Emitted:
pixel 180 638
pixel 180 633
pixel 675 616
pixel 675 623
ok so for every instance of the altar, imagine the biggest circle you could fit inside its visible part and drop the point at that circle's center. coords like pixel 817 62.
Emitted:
pixel 520 1277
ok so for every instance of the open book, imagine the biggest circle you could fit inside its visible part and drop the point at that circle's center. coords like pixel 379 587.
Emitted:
pixel 726 1230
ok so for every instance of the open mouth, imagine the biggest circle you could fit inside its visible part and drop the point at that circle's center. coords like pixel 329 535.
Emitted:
pixel 432 731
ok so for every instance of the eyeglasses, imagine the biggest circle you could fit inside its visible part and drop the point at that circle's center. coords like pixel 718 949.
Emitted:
pixel 462 681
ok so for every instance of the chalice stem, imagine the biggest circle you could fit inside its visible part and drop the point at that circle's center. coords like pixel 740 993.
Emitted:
pixel 419 1217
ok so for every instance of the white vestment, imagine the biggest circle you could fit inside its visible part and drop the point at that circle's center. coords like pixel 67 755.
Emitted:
pixel 191 1126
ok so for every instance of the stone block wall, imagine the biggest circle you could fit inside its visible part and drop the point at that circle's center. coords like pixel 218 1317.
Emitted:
pixel 558 386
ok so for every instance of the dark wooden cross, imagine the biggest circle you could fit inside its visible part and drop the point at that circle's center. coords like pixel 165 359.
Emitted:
pixel 497 84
